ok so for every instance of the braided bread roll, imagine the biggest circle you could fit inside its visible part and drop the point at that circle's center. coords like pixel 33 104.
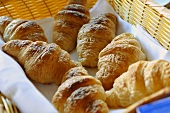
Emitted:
pixel 20 29
pixel 116 57
pixel 143 78
pixel 94 36
pixel 42 62
pixel 80 93
pixel 67 23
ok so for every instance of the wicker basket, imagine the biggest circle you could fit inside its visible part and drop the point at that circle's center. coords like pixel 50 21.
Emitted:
pixel 153 17
pixel 34 9
pixel 6 106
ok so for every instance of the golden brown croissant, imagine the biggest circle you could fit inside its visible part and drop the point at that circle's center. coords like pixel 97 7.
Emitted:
pixel 67 23
pixel 94 36
pixel 42 62
pixel 80 93
pixel 143 78
pixel 116 57
pixel 21 29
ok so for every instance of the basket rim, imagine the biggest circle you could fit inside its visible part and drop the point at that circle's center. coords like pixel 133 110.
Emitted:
pixel 161 9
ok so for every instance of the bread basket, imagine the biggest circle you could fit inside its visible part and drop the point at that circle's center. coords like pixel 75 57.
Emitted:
pixel 154 18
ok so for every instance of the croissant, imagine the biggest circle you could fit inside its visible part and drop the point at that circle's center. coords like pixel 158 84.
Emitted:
pixel 67 23
pixel 20 29
pixel 4 21
pixel 116 57
pixel 94 36
pixel 143 78
pixel 44 63
pixel 80 93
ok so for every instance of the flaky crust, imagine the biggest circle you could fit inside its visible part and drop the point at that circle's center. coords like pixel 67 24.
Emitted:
pixel 77 71
pixel 116 57
pixel 93 37
pixel 80 93
pixel 67 23
pixel 142 79
pixel 12 29
pixel 42 62
pixel 4 21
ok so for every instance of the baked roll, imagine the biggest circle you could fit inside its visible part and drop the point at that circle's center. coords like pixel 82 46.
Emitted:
pixel 80 93
pixel 94 36
pixel 12 29
pixel 4 21
pixel 67 23
pixel 142 79
pixel 42 62
pixel 116 57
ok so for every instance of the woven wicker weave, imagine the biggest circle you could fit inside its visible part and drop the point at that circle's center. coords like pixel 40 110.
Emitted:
pixel 33 9
pixel 6 105
pixel 154 18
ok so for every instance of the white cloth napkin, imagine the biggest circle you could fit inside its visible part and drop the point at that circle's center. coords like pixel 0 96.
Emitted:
pixel 15 85
pixel 151 47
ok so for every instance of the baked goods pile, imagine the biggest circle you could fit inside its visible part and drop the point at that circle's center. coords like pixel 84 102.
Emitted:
pixel 124 75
